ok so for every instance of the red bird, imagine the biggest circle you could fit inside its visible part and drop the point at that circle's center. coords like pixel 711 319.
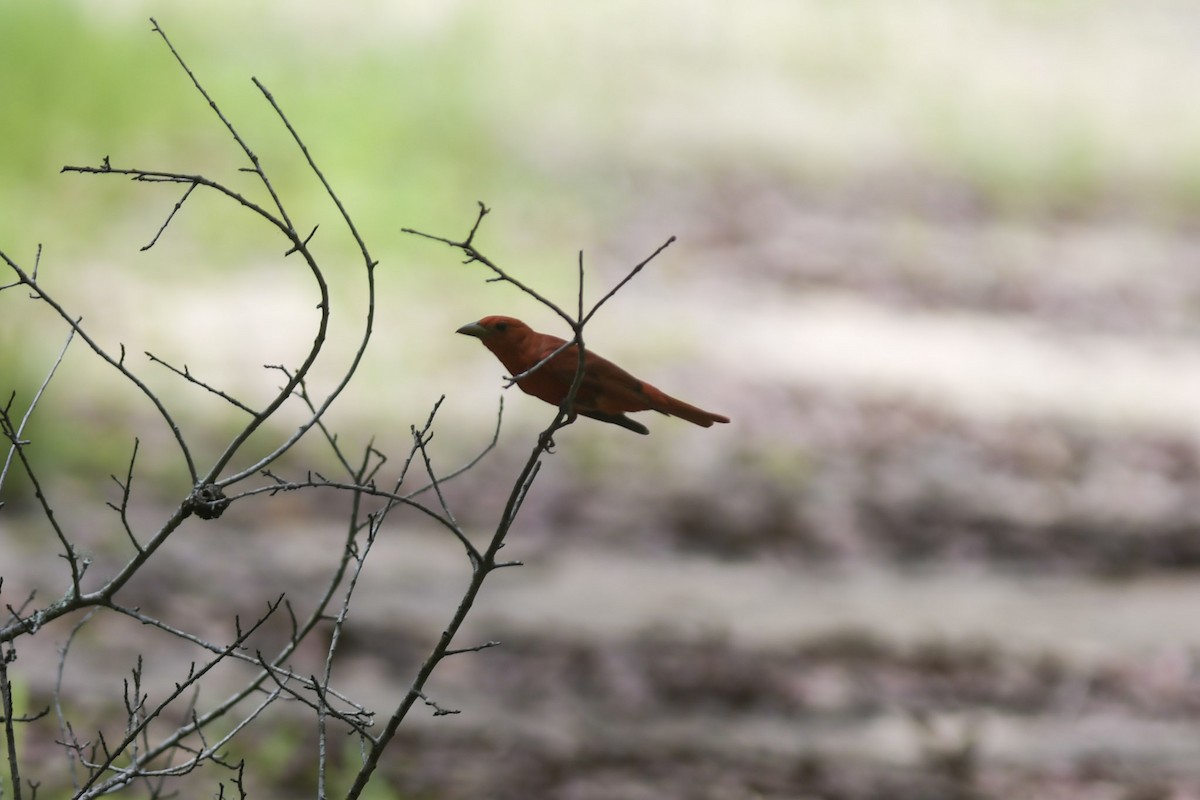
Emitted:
pixel 607 391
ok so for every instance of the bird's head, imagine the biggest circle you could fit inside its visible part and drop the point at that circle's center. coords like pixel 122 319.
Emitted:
pixel 495 329
pixel 497 333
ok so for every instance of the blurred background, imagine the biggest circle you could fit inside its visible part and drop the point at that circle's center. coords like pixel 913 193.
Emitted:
pixel 938 261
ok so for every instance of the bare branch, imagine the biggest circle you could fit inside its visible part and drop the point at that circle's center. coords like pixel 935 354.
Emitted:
pixel 170 217
pixel 126 488
pixel 473 255
pixel 76 327
pixel 72 558
pixel 124 776
pixel 477 648
pixel 139 753
pixel 186 374
pixel 224 121
pixel 68 735
pixel 583 319
pixel 421 440
pixel 19 430
pixel 545 442
pixel 359 556
pixel 7 656
pixel 438 710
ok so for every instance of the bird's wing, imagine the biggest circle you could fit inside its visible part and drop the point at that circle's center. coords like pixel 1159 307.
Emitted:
pixel 605 387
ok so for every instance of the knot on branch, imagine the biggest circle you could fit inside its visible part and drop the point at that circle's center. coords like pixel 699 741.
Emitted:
pixel 206 502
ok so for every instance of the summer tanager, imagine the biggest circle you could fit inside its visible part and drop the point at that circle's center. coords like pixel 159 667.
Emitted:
pixel 607 391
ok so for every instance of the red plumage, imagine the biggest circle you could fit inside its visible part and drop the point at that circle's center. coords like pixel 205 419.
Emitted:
pixel 607 392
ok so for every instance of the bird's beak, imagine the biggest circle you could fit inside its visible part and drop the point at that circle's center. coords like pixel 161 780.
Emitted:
pixel 473 329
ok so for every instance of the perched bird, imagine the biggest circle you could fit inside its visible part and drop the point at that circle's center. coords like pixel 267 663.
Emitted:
pixel 607 391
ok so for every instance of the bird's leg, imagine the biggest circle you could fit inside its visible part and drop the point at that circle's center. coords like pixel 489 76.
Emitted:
pixel 546 440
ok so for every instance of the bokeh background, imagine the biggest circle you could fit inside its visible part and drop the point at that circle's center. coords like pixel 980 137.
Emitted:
pixel 938 261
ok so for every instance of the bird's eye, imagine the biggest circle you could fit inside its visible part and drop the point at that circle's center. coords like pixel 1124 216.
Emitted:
pixel 502 326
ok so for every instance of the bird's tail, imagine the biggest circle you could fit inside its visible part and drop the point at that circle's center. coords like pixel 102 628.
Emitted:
pixel 677 408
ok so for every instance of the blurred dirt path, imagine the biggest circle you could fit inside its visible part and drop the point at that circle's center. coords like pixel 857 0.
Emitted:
pixel 971 363
pixel 582 593
pixel 590 592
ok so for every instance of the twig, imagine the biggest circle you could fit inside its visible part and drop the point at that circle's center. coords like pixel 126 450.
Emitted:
pixel 487 562
pixel 75 325
pixel 467 245
pixel 126 775
pixel 487 448
pixel 170 217
pixel 20 429
pixel 360 558
pixel 420 439
pixel 77 566
pixel 186 374
pixel 583 318
pixel 453 651
pixel 10 732
pixel 126 488
pixel 438 710
pixel 63 726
